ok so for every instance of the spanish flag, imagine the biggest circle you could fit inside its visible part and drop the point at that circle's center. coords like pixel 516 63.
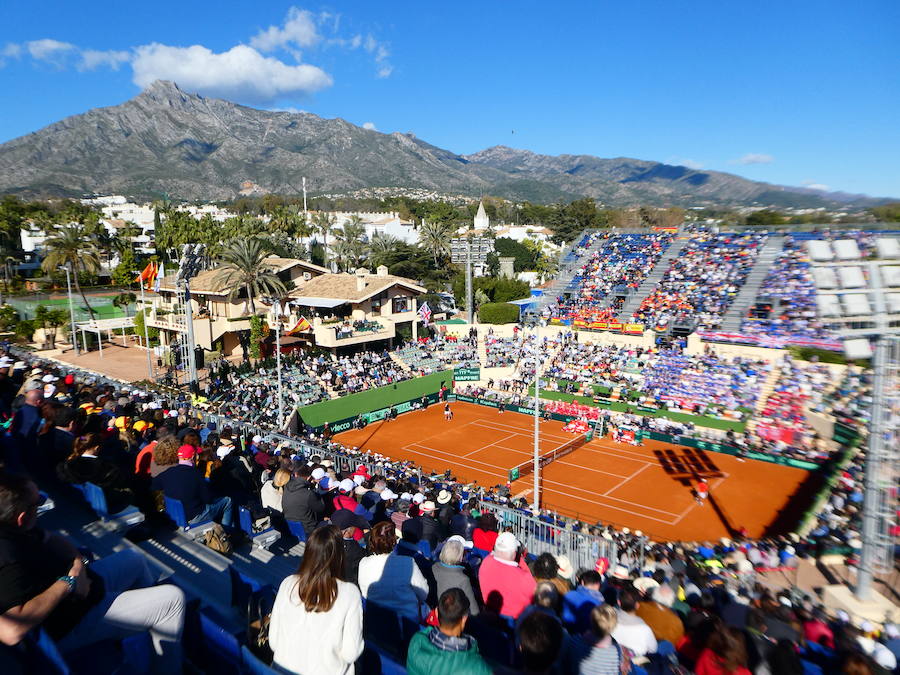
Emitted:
pixel 146 274
pixel 300 327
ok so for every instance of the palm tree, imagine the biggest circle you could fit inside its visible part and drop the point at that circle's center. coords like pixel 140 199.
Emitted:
pixel 382 242
pixel 351 242
pixel 323 223
pixel 123 300
pixel 70 247
pixel 435 238
pixel 244 268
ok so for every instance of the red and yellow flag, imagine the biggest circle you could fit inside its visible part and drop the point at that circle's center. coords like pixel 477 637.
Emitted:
pixel 300 327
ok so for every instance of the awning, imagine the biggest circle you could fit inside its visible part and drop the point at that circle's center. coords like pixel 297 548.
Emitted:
pixel 326 303
pixel 524 301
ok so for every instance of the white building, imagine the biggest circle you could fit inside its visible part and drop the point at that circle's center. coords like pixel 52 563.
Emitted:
pixel 388 222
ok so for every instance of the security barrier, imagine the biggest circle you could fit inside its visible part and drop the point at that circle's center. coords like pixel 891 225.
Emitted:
pixel 539 536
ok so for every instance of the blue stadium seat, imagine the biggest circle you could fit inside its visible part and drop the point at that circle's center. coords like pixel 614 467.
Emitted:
pixel 175 511
pixel 252 664
pixel 383 628
pixel 494 643
pixel 262 539
pixel 296 529
pixel 243 586
pixel 219 650
pixel 97 499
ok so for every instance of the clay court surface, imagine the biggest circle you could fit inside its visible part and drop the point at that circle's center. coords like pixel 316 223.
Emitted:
pixel 645 488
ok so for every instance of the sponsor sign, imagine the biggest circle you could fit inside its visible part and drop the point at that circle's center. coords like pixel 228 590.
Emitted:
pixel 467 374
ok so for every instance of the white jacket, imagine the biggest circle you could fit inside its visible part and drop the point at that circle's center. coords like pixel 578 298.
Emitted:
pixel 394 581
pixel 316 643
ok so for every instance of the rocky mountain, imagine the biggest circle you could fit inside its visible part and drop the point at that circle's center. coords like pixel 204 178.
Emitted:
pixel 169 142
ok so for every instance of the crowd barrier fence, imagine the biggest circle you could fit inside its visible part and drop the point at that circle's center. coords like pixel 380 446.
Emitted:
pixel 539 536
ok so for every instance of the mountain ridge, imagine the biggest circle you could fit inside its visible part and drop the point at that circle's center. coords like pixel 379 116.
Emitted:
pixel 166 141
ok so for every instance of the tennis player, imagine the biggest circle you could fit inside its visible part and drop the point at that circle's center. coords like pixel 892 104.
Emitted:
pixel 701 490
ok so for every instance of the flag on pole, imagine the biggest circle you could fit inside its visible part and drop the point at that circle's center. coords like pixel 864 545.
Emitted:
pixel 425 313
pixel 145 274
pixel 301 326
pixel 157 277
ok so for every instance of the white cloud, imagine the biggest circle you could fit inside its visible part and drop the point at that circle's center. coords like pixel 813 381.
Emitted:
pixel 11 50
pixel 754 158
pixel 381 54
pixel 49 50
pixel 813 185
pixel 369 125
pixel 241 73
pixel 685 161
pixel 92 59
pixel 299 30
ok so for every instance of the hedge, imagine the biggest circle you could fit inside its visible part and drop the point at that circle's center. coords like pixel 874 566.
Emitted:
pixel 498 312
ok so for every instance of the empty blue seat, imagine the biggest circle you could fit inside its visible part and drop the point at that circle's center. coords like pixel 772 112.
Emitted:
pixel 252 664
pixel 262 538
pixel 175 511
pixel 97 499
pixel 243 586
pixel 296 529
pixel 220 651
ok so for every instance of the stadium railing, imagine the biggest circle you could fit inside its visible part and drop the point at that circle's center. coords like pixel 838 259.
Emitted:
pixel 539 537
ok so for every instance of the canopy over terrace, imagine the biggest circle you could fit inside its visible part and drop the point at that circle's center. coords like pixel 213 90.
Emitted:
pixel 99 326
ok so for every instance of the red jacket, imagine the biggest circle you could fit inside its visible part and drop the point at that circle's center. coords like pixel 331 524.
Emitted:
pixel 505 588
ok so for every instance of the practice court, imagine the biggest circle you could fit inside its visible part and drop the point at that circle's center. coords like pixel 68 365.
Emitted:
pixel 644 488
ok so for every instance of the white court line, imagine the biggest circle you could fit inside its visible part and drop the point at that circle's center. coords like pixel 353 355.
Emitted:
pixel 612 489
pixel 695 504
pixel 597 496
pixel 452 458
pixel 491 445
pixel 607 506
pixel 577 466
pixel 522 430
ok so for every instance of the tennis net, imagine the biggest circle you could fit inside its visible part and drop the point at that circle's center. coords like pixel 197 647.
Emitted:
pixel 526 468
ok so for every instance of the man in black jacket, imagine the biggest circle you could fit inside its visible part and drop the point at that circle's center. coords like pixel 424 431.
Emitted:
pixel 299 500
pixel 431 528
pixel 348 522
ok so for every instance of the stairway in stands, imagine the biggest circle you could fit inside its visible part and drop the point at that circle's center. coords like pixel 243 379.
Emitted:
pixel 567 272
pixel 731 323
pixel 655 276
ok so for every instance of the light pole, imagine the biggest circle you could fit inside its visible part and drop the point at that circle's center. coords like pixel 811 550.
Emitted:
pixel 71 308
pixel 275 303
pixel 536 505
pixel 146 332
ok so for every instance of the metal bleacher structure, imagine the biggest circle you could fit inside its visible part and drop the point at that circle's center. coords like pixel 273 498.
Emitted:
pixel 746 297
pixel 656 274
pixel 859 297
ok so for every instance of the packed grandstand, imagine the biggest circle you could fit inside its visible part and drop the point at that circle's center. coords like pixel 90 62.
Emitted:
pixel 212 502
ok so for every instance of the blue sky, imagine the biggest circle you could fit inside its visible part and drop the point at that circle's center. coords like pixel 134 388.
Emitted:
pixel 789 92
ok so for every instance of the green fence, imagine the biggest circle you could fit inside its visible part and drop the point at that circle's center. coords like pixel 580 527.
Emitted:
pixel 317 414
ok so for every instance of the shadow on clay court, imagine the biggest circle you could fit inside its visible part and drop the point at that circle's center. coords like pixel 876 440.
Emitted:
pixel 688 465
pixel 796 504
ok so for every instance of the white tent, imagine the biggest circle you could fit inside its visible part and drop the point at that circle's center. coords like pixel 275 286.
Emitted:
pixel 824 277
pixel 888 248
pixel 852 277
pixel 890 276
pixel 819 251
pixel 856 304
pixel 846 249
pixel 828 305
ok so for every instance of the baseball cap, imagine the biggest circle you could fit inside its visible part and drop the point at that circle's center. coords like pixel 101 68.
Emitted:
pixel 344 518
pixel 346 485
pixel 257 439
pixel 601 565
pixel 418 498
pixel 317 474
pixel 461 540
pixel 186 452
pixel 507 542
pixel 387 494
pixel 224 451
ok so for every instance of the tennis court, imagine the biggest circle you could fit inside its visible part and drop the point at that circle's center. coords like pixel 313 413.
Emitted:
pixel 644 488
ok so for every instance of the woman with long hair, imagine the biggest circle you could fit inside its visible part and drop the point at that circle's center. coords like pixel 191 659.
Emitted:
pixel 725 654
pixel 391 580
pixel 85 466
pixel 316 626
